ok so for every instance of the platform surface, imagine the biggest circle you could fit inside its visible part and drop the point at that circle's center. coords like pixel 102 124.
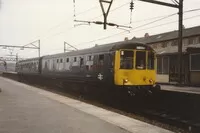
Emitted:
pixel 185 89
pixel 27 109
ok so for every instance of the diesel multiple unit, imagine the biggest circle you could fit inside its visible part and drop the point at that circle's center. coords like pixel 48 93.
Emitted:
pixel 126 65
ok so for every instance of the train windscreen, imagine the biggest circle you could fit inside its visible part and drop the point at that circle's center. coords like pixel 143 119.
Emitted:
pixel 126 59
pixel 141 60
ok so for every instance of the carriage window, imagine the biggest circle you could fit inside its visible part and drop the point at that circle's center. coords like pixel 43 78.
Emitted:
pixel 61 60
pixel 81 61
pixel 126 59
pixel 67 60
pixel 151 59
pixel 89 58
pixel 141 60
pixel 74 59
pixel 57 60
pixel 101 59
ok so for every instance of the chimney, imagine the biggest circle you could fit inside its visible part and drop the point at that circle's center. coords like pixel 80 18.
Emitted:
pixel 146 35
pixel 126 39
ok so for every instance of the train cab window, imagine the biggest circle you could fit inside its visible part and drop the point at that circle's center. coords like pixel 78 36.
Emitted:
pixel 151 60
pixel 57 60
pixel 61 60
pixel 126 59
pixel 140 59
pixel 75 59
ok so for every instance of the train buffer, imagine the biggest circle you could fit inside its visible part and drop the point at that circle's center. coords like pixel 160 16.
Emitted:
pixel 24 108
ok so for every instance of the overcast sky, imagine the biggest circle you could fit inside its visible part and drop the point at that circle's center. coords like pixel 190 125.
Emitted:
pixel 51 21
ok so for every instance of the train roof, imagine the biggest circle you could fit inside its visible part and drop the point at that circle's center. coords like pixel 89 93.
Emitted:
pixel 102 48
pixel 27 60
pixel 96 49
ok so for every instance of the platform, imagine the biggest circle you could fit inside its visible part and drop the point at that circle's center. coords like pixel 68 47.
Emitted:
pixel 24 108
pixel 184 89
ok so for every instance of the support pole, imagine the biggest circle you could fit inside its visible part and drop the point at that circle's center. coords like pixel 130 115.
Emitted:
pixel 39 48
pixel 70 46
pixel 180 44
pixel 17 57
pixel 64 47
pixel 105 21
pixel 179 6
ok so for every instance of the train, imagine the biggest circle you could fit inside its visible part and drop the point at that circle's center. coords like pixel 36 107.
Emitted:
pixel 125 66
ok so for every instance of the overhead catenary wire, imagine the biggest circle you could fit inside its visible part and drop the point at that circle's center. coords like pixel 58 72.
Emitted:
pixel 77 14
pixel 82 13
pixel 130 30
pixel 175 2
pixel 167 23
pixel 66 21
pixel 125 32
pixel 192 10
pixel 113 10
pixel 74 2
pixel 188 18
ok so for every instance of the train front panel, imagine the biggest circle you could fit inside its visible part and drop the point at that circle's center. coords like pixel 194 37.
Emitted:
pixel 134 67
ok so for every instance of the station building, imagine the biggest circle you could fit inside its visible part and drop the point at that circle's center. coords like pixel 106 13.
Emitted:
pixel 166 47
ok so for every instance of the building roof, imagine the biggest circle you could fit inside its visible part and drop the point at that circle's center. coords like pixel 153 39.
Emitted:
pixel 168 35
pixel 174 49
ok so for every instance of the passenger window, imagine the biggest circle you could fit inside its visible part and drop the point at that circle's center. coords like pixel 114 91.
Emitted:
pixel 101 59
pixel 126 59
pixel 89 58
pixel 141 59
pixel 87 67
pixel 61 60
pixel 81 61
pixel 67 60
pixel 75 59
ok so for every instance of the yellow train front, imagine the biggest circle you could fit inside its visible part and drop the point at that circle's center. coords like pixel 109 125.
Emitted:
pixel 135 68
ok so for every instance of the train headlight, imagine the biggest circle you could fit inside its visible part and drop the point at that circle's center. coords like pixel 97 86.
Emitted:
pixel 125 80
pixel 151 81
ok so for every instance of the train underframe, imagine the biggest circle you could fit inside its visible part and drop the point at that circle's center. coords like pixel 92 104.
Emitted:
pixel 84 87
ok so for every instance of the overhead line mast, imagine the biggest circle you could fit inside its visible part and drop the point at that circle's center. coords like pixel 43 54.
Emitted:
pixel 179 6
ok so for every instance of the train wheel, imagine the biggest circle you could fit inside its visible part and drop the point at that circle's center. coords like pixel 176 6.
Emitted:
pixel 156 89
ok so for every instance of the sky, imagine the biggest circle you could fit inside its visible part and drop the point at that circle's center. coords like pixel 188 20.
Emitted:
pixel 52 22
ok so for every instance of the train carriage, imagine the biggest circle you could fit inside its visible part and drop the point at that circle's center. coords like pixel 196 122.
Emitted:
pixel 126 65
